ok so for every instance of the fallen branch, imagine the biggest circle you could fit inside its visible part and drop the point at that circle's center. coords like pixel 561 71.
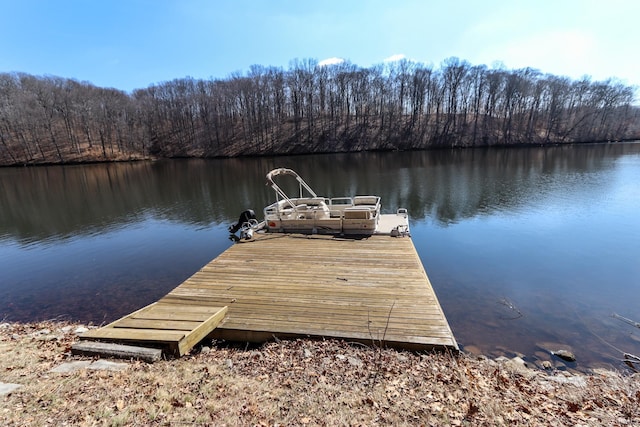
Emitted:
pixel 630 360
pixel 625 320
pixel 632 356
pixel 512 307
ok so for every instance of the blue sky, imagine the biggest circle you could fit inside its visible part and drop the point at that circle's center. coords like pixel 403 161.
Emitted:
pixel 129 44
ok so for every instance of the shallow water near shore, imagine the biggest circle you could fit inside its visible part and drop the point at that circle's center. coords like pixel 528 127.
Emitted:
pixel 528 249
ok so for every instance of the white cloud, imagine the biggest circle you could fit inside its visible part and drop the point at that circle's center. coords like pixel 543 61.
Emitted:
pixel 593 41
pixel 567 52
pixel 331 61
pixel 394 58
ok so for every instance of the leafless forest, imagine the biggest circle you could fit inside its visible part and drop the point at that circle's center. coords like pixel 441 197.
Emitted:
pixel 308 109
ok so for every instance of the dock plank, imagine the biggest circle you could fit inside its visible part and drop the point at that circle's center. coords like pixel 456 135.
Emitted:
pixel 162 324
pixel 136 334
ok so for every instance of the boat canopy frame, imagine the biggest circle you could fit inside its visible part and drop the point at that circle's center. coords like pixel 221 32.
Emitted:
pixel 280 193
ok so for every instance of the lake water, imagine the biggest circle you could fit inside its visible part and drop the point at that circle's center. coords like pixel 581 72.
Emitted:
pixel 525 247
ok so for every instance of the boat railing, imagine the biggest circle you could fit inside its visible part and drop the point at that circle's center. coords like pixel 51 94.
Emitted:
pixel 271 210
pixel 339 214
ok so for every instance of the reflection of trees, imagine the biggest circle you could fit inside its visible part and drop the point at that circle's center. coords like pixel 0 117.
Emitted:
pixel 60 201
pixel 451 185
pixel 308 109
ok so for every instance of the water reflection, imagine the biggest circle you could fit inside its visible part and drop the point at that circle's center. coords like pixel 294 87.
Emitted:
pixel 449 185
pixel 553 230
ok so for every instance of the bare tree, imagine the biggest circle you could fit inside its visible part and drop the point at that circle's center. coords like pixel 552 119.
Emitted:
pixel 308 108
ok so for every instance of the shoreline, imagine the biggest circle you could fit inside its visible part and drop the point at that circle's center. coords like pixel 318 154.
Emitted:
pixel 91 160
pixel 299 382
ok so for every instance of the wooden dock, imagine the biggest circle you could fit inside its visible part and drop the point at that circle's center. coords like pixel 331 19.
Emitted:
pixel 372 290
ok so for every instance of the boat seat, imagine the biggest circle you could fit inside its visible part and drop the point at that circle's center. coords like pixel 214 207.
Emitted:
pixel 357 213
pixel 366 200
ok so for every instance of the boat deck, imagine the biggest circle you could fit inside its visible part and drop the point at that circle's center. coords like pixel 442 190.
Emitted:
pixel 372 289
pixel 388 222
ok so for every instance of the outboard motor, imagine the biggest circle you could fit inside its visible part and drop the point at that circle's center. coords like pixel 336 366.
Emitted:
pixel 245 217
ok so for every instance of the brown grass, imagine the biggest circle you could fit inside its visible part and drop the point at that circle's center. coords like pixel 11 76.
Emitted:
pixel 298 383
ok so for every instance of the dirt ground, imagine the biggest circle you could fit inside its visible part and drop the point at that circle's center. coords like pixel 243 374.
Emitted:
pixel 300 382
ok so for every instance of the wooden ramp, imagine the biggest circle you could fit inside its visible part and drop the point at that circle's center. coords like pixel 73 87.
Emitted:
pixel 174 329
pixel 372 290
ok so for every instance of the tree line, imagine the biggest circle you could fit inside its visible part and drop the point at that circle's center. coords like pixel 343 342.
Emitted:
pixel 308 108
